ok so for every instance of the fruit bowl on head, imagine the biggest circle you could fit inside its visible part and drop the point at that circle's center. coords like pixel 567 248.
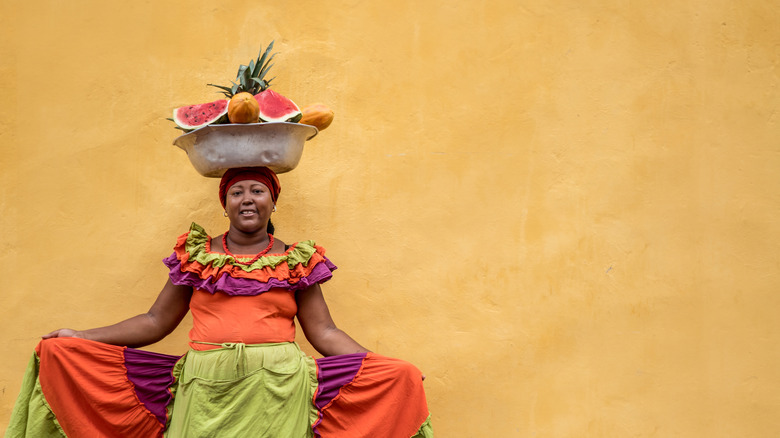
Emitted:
pixel 213 149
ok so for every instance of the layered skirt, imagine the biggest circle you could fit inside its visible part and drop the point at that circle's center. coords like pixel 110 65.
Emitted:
pixel 79 388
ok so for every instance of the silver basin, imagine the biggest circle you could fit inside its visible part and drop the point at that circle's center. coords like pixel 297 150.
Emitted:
pixel 215 148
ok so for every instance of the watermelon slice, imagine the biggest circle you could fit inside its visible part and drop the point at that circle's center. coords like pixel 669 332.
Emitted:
pixel 276 108
pixel 197 116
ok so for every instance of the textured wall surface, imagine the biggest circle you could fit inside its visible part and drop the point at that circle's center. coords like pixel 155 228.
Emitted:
pixel 564 212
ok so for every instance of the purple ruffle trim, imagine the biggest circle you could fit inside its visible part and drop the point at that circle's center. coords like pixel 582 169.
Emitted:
pixel 245 286
pixel 152 375
pixel 332 374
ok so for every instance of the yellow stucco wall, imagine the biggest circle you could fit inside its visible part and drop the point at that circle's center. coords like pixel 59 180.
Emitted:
pixel 570 207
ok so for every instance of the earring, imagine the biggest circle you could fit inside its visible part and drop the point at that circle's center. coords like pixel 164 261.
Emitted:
pixel 274 210
pixel 225 213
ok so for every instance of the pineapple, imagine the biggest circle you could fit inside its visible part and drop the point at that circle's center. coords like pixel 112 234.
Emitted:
pixel 273 107
pixel 251 78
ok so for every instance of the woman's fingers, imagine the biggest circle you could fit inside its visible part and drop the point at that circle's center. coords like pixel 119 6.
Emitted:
pixel 61 333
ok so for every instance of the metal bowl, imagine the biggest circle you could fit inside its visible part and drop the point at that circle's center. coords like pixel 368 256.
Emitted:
pixel 214 149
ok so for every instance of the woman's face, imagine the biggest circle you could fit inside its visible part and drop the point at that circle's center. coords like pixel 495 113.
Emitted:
pixel 248 204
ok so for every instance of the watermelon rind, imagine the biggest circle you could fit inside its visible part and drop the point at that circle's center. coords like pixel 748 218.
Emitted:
pixel 276 108
pixel 192 117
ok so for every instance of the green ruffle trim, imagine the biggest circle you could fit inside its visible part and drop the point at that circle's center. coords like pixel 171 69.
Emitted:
pixel 32 416
pixel 426 430
pixel 197 240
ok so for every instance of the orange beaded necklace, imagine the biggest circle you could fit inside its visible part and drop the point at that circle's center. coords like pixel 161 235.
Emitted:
pixel 254 259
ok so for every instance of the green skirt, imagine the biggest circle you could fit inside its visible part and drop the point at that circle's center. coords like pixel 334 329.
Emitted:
pixel 225 392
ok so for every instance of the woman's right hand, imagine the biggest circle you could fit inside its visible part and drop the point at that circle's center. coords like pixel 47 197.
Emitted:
pixel 62 333
pixel 144 329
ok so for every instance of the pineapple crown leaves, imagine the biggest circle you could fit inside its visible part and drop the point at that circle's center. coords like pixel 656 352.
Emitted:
pixel 251 78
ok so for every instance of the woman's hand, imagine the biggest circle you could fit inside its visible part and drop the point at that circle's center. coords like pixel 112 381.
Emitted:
pixel 144 329
pixel 62 333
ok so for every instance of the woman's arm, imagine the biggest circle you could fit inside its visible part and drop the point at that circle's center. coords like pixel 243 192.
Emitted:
pixel 147 328
pixel 318 326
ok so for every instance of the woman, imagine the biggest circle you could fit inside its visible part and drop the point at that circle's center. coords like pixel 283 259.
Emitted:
pixel 244 375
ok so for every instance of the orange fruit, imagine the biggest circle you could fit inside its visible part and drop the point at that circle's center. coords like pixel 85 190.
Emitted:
pixel 317 115
pixel 243 108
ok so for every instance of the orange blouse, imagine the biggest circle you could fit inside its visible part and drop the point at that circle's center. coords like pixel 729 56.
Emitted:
pixel 242 298
pixel 258 319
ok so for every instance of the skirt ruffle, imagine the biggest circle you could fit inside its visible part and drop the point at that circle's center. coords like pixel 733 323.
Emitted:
pixel 79 388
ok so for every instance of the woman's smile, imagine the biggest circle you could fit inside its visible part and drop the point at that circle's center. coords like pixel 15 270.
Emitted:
pixel 249 205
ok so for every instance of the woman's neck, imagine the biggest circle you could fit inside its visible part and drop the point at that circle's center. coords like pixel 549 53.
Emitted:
pixel 240 242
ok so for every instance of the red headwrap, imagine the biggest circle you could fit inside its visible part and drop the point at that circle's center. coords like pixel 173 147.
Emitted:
pixel 261 174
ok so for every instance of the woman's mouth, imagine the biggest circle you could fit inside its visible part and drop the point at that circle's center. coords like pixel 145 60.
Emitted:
pixel 248 212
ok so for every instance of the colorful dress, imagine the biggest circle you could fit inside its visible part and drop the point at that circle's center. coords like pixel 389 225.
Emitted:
pixel 243 376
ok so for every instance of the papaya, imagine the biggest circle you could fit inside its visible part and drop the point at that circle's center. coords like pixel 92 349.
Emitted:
pixel 317 115
pixel 243 108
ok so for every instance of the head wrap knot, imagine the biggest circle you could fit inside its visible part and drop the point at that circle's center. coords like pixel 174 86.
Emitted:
pixel 261 174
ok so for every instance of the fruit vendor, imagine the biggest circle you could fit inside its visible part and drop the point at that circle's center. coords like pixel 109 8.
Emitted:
pixel 244 375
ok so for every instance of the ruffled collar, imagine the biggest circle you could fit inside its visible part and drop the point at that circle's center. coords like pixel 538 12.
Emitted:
pixel 193 263
pixel 198 245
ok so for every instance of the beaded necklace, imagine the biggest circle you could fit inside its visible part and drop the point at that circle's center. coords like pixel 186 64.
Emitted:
pixel 254 259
